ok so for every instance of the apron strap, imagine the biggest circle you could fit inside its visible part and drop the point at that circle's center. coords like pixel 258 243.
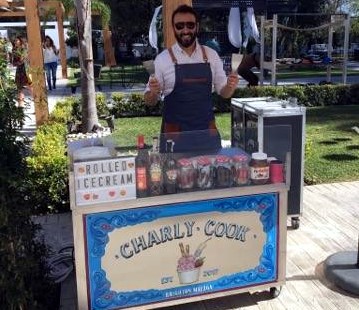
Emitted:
pixel 174 59
pixel 205 58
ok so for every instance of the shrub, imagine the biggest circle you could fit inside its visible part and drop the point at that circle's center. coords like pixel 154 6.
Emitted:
pixel 125 105
pixel 69 109
pixel 23 283
pixel 48 171
pixel 64 110
pixel 101 104
pixel 308 95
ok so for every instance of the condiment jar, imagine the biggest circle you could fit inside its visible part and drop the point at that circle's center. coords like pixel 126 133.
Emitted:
pixel 224 175
pixel 205 172
pixel 241 170
pixel 186 174
pixel 259 168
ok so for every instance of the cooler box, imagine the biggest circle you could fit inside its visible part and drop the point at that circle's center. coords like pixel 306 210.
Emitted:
pixel 257 124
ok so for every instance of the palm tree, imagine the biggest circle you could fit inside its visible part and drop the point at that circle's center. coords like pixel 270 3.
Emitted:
pixel 83 9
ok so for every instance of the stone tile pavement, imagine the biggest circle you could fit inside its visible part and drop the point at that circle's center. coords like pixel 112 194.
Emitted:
pixel 57 233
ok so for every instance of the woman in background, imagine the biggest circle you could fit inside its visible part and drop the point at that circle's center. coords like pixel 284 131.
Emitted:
pixel 50 61
pixel 21 61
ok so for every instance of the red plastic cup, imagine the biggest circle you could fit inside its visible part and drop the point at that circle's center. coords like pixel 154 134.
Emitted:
pixel 276 174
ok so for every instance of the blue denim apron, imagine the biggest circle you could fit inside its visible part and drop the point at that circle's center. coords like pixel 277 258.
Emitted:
pixel 188 116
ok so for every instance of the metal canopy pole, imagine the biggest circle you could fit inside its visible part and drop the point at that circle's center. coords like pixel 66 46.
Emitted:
pixel 346 46
pixel 261 59
pixel 274 49
pixel 330 48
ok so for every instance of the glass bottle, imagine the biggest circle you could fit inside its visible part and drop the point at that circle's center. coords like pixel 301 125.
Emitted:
pixel 241 169
pixel 205 172
pixel 170 169
pixel 224 173
pixel 186 174
pixel 141 168
pixel 155 170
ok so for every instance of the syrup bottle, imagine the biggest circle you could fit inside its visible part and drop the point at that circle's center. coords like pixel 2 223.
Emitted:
pixel 155 170
pixel 170 169
pixel 141 168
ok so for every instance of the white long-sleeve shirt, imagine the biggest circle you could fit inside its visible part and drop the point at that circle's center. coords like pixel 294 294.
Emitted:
pixel 165 68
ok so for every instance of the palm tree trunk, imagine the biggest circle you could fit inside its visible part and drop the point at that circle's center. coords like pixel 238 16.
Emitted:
pixel 84 30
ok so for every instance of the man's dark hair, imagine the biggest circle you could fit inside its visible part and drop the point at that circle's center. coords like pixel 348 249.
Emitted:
pixel 183 9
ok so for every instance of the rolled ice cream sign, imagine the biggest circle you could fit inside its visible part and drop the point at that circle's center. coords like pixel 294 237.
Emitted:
pixel 105 180
pixel 155 254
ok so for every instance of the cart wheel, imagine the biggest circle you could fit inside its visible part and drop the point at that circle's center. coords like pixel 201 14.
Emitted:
pixel 295 222
pixel 275 291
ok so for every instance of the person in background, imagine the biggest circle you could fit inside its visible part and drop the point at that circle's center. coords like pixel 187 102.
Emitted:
pixel 50 60
pixel 21 61
pixel 250 59
pixel 185 74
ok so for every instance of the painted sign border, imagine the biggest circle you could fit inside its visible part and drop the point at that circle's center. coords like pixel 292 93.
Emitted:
pixel 99 225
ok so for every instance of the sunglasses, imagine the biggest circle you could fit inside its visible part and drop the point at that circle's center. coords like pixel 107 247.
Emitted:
pixel 188 25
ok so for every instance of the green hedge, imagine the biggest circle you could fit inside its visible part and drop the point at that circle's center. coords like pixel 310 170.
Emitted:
pixel 127 105
pixel 70 109
pixel 48 173
pixel 307 95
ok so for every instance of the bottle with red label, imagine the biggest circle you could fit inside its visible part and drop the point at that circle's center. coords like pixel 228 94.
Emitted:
pixel 155 170
pixel 141 168
pixel 241 169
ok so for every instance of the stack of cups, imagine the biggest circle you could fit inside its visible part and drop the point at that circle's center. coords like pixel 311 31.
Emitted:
pixel 276 172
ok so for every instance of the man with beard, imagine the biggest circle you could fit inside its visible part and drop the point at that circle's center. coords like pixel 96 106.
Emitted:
pixel 184 75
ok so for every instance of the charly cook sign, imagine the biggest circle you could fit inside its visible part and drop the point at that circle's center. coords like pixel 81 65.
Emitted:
pixel 158 253
pixel 105 180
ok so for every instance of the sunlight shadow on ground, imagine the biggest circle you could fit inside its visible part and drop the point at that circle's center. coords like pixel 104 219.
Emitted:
pixel 340 157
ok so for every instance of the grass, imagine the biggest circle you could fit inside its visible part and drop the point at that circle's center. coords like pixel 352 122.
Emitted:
pixel 332 147
pixel 332 144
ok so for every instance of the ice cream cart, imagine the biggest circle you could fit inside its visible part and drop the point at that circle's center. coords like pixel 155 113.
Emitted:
pixel 206 240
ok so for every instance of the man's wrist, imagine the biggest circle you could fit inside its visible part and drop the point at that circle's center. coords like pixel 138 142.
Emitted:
pixel 227 91
pixel 151 97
